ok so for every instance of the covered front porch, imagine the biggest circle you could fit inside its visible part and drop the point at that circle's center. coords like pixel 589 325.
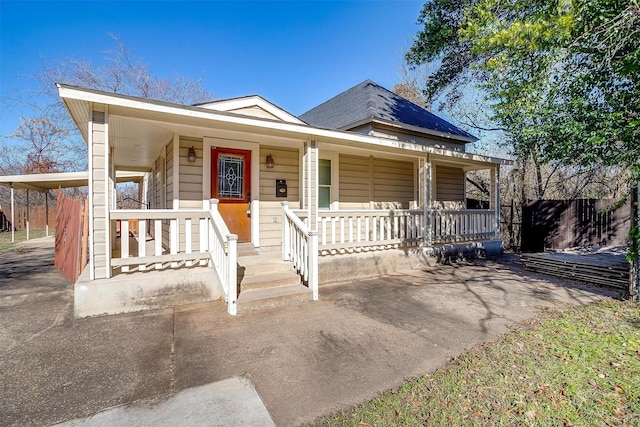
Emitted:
pixel 199 241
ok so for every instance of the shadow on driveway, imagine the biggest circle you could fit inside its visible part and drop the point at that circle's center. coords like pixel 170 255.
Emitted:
pixel 305 361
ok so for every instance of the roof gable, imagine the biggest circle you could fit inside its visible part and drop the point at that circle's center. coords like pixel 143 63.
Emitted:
pixel 368 101
pixel 252 106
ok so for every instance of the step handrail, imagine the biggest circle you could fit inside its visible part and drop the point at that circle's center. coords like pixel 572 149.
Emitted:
pixel 300 246
pixel 223 251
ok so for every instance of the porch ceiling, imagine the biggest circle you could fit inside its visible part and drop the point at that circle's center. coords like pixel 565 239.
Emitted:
pixel 136 143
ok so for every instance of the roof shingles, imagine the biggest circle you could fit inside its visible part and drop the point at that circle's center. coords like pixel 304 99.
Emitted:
pixel 369 100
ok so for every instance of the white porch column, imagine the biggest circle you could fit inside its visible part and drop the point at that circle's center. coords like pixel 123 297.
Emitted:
pixel 311 182
pixel 176 171
pixel 99 200
pixel 174 231
pixel 109 192
pixel 495 198
pixel 425 199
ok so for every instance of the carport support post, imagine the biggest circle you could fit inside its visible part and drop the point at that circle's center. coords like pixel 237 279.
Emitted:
pixel 46 213
pixel 13 216
pixel 27 214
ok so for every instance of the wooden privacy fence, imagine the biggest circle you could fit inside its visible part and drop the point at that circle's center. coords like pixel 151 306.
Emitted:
pixel 5 220
pixel 561 224
pixel 37 218
pixel 72 230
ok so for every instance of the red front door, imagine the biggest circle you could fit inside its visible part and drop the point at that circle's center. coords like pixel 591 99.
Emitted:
pixel 231 184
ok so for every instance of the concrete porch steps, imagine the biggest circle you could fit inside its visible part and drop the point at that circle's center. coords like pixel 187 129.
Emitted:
pixel 266 298
pixel 265 281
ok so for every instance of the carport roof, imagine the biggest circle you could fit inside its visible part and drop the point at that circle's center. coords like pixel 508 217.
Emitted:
pixel 51 181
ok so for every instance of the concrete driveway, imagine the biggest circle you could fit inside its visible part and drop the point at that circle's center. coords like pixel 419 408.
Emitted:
pixel 304 361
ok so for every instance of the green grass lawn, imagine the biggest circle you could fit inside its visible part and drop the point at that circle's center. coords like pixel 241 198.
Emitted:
pixel 5 237
pixel 578 367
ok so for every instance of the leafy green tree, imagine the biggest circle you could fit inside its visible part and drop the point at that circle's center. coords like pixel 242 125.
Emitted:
pixel 561 77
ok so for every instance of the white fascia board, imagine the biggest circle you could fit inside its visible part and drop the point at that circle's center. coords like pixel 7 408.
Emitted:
pixel 52 181
pixel 301 130
pixel 46 181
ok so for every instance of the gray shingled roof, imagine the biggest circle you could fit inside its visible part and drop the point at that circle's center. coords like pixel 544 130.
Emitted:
pixel 370 100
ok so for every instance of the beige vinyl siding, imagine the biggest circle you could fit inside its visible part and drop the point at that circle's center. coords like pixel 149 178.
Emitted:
pixel 354 182
pixel 449 184
pixel 190 174
pixel 254 111
pixel 387 133
pixel 271 224
pixel 190 187
pixel 393 183
pixel 98 196
pixel 287 166
pixel 375 183
pixel 159 202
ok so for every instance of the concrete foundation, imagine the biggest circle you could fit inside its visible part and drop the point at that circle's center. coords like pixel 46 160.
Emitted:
pixel 343 267
pixel 147 290
pixel 153 289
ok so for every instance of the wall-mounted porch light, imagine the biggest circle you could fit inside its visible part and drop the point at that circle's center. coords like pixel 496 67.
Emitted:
pixel 191 155
pixel 270 162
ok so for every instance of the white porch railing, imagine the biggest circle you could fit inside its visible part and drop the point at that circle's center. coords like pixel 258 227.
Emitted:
pixel 463 225
pixel 191 237
pixel 300 246
pixel 356 230
pixel 172 226
pixel 347 229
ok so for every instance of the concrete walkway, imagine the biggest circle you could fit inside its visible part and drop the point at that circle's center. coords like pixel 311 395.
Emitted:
pixel 232 402
pixel 304 361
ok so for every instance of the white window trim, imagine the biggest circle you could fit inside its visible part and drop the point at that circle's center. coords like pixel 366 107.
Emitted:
pixel 334 157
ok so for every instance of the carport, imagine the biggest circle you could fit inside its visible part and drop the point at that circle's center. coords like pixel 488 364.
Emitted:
pixel 52 181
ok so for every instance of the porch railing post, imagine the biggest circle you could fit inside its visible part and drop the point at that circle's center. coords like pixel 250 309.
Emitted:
pixel 232 275
pixel 313 264
pixel 497 201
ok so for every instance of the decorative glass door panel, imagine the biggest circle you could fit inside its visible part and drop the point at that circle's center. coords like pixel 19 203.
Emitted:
pixel 231 185
pixel 231 177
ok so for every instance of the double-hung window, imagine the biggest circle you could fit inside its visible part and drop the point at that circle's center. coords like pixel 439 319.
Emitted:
pixel 324 184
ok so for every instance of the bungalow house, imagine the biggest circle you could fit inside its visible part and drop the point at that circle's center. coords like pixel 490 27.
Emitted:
pixel 251 204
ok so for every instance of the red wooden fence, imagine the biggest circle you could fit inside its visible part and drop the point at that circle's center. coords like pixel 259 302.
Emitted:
pixel 37 218
pixel 70 246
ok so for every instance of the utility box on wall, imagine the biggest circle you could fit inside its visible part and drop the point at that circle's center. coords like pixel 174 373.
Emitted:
pixel 281 188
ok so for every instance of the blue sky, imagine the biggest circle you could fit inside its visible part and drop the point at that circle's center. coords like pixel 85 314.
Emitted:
pixel 296 54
